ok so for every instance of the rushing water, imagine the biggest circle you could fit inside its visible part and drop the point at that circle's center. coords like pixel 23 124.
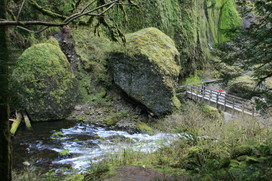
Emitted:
pixel 85 143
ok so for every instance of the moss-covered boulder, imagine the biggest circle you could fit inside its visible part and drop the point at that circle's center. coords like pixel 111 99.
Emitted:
pixel 149 70
pixel 44 83
pixel 243 86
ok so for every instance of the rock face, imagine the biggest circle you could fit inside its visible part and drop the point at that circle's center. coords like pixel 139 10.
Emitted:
pixel 148 71
pixel 194 25
pixel 44 83
pixel 243 86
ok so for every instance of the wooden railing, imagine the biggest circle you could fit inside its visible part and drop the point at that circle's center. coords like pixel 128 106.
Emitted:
pixel 223 101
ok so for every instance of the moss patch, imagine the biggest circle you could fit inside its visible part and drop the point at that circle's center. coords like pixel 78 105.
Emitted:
pixel 44 82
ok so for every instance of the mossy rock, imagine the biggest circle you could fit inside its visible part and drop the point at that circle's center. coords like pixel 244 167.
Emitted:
pixel 44 83
pixel 144 128
pixel 243 86
pixel 148 71
pixel 241 150
pixel 212 112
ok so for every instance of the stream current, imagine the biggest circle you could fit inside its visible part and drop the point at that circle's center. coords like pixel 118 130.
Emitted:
pixel 77 144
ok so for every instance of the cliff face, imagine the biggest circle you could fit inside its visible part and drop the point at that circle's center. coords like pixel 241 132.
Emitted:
pixel 195 25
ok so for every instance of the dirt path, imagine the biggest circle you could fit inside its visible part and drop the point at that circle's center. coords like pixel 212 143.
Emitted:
pixel 138 173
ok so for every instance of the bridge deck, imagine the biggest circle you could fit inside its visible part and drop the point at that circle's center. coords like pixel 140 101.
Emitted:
pixel 223 101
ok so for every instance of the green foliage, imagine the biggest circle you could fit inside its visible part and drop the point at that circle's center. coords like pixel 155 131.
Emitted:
pixel 193 80
pixel 192 24
pixel 252 46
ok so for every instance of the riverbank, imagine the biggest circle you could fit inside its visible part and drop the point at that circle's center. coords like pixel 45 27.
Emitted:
pixel 210 150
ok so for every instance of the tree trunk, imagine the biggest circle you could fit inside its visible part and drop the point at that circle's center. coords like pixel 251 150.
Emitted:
pixel 5 140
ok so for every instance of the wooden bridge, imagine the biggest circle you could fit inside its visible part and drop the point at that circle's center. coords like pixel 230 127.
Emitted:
pixel 223 101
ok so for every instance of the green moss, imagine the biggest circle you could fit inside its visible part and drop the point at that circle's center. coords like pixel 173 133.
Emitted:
pixel 229 19
pixel 44 82
pixel 192 24
pixel 211 112
pixel 176 102
pixel 144 128
pixel 109 121
pixel 65 152
pixel 59 133
pixel 159 48
pixel 193 80
pixel 52 41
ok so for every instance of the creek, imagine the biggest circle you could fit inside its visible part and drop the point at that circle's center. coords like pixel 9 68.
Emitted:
pixel 71 144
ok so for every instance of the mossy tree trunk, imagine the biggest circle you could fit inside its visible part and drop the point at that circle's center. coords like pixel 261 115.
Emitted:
pixel 5 141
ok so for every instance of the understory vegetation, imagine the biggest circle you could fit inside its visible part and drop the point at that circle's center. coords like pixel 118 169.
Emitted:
pixel 207 148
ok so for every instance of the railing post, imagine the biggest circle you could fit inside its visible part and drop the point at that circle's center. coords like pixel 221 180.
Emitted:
pixel 217 100
pixel 210 97
pixel 203 95
pixel 225 102
pixel 233 103
pixel 197 99
pixel 243 107
pixel 191 92
pixel 253 110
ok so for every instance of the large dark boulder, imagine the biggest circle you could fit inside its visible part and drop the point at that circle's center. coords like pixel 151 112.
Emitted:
pixel 148 70
pixel 44 83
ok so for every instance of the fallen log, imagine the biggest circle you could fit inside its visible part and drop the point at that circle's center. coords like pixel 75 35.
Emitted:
pixel 27 121
pixel 16 123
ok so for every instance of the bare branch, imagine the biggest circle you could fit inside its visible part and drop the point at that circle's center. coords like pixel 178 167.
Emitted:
pixel 107 9
pixel 23 23
pixel 83 12
pixel 87 6
pixel 20 10
pixel 77 15
pixel 31 31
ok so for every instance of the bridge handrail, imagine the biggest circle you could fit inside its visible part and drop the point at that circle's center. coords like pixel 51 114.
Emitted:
pixel 234 102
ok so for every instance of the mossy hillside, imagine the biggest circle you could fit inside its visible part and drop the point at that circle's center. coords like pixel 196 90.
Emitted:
pixel 148 70
pixel 44 83
pixel 229 20
pixel 192 24
pixel 92 71
pixel 222 16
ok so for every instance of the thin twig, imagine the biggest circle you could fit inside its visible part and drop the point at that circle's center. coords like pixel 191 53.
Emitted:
pixel 87 6
pixel 31 31
pixel 20 10
pixel 77 15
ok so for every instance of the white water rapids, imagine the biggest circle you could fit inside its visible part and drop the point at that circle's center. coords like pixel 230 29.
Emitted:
pixel 85 148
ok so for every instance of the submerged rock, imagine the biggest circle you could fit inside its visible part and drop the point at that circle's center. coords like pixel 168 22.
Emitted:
pixel 44 83
pixel 148 71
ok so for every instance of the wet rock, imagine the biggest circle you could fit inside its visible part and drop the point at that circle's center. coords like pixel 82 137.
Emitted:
pixel 120 138
pixel 148 71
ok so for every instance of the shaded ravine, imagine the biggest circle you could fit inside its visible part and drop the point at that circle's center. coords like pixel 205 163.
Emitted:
pixel 86 143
